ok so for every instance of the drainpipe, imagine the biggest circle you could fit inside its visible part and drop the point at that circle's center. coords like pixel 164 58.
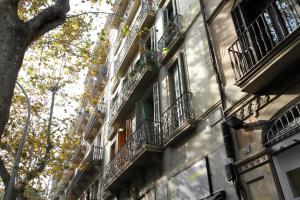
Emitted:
pixel 231 171
pixel 213 57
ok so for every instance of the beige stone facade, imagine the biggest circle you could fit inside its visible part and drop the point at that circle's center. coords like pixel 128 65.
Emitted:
pixel 202 102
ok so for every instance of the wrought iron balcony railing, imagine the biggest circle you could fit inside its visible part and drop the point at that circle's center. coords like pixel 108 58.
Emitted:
pixel 176 115
pixel 148 6
pixel 284 126
pixel 171 32
pixel 147 62
pixel 276 23
pixel 147 134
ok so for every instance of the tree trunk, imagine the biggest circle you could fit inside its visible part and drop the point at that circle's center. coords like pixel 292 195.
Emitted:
pixel 13 41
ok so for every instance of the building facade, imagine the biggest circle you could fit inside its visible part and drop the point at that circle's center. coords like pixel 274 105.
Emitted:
pixel 195 99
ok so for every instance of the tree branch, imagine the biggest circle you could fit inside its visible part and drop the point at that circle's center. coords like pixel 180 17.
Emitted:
pixel 42 164
pixel 4 173
pixel 48 19
pixel 91 12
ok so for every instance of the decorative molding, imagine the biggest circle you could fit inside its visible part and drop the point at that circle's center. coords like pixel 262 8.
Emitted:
pixel 251 106
pixel 252 162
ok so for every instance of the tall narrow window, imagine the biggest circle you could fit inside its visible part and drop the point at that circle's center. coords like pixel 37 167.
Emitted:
pixel 178 78
pixel 179 98
pixel 142 112
pixel 169 13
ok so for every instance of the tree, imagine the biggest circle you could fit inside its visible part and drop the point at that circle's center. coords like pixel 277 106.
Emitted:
pixel 23 25
pixel 16 36
pixel 44 150
pixel 43 30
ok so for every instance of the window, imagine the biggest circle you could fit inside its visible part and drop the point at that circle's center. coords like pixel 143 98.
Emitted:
pixel 150 43
pixel 178 90
pixel 169 13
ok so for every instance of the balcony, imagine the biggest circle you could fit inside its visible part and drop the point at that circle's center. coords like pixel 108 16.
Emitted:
pixel 138 77
pixel 268 47
pixel 79 153
pixel 136 153
pixel 85 174
pixel 178 119
pixel 95 122
pixel 131 46
pixel 171 39
pixel 118 10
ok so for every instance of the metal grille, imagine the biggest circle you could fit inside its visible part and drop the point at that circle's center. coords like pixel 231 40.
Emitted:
pixel 284 126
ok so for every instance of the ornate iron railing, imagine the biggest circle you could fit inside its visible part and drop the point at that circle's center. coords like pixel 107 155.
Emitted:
pixel 172 29
pixel 148 6
pixel 147 133
pixel 177 114
pixel 278 21
pixel 284 126
pixel 133 76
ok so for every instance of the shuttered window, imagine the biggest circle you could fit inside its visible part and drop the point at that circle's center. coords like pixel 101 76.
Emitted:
pixel 156 102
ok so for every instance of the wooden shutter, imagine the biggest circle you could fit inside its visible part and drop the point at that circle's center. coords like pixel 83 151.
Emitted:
pixel 128 128
pixel 121 139
pixel 182 74
pixel 156 102
pixel 153 38
pixel 238 20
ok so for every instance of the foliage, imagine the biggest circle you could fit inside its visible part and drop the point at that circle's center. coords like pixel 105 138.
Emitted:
pixel 54 59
